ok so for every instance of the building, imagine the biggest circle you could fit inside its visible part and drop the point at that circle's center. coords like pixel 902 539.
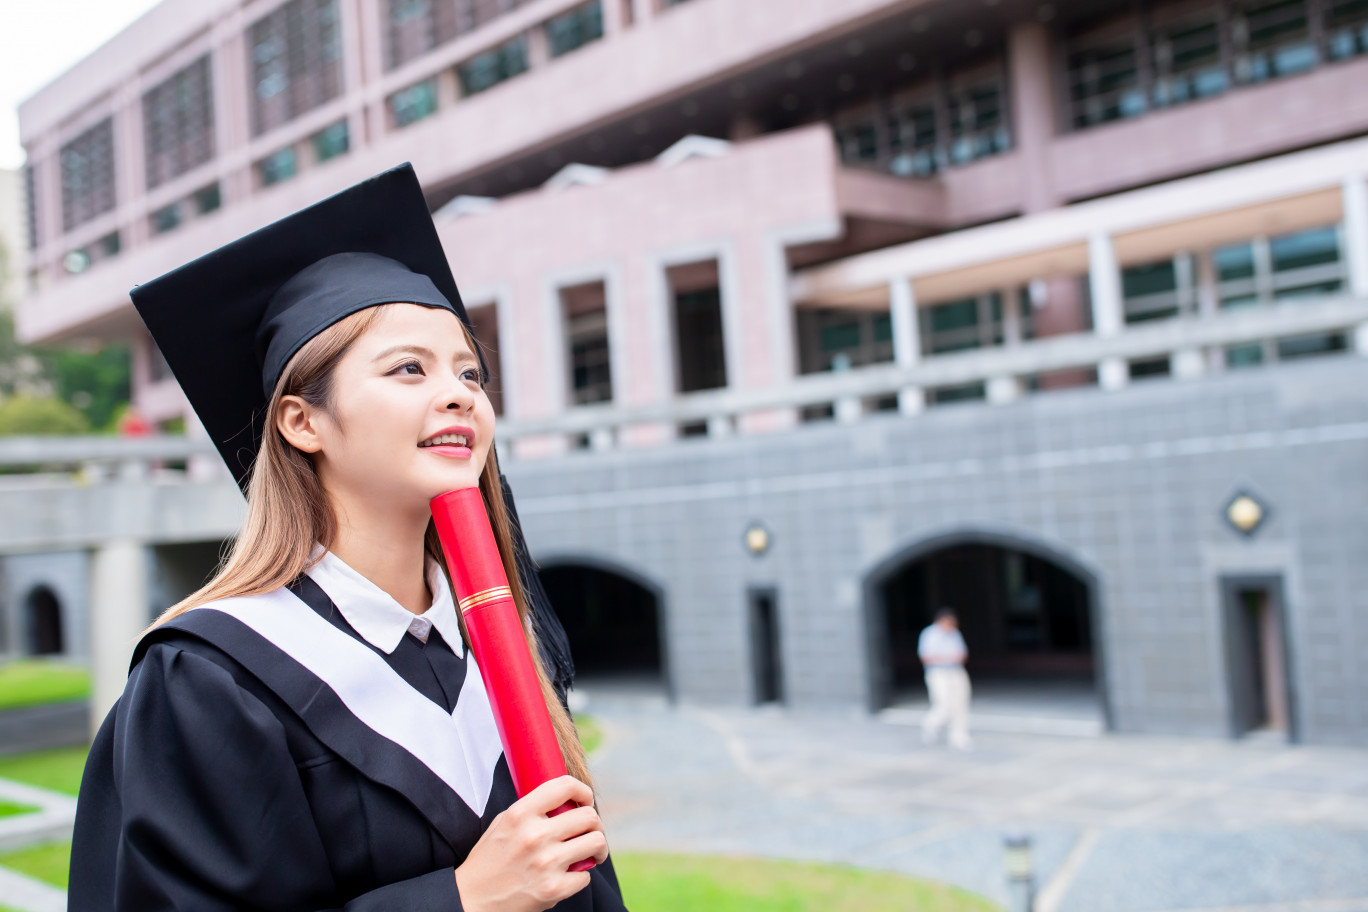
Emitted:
pixel 1048 311
pixel 13 237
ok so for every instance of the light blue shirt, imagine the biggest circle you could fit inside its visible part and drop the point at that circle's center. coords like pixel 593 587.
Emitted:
pixel 935 641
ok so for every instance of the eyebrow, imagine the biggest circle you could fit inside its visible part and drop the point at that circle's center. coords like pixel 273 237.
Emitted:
pixel 416 350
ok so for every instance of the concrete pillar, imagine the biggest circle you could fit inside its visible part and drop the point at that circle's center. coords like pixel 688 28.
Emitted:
pixel 118 614
pixel 1011 317
pixel 1104 280
pixel 902 311
pixel 643 11
pixel 1002 390
pixel 1187 363
pixel 1033 112
pixel 1355 191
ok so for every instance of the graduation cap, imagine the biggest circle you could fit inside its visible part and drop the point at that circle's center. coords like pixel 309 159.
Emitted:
pixel 228 322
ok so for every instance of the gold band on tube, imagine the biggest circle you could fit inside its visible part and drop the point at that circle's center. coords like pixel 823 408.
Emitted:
pixel 484 597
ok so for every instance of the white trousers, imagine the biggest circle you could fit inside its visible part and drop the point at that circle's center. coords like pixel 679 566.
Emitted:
pixel 949 691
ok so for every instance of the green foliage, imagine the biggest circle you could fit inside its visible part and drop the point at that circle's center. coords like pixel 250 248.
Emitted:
pixel 97 383
pixel 58 770
pixel 27 415
pixel 668 883
pixel 34 682
pixel 49 862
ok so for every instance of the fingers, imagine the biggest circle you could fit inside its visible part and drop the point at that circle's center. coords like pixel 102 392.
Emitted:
pixel 574 823
pixel 590 845
pixel 550 795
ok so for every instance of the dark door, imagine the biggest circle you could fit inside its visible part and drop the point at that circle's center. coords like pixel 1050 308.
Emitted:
pixel 1258 675
pixel 45 622
pixel 765 656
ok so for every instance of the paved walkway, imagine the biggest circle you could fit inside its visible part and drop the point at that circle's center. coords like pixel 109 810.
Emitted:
pixel 53 820
pixel 1119 823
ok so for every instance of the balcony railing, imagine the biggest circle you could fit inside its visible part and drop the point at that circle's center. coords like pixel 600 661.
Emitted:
pixel 34 461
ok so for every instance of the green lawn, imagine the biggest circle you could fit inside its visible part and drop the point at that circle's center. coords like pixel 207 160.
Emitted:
pixel 33 682
pixel 591 736
pixel 59 769
pixel 10 809
pixel 47 861
pixel 678 883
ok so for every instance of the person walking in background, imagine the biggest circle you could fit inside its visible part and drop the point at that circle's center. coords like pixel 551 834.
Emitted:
pixel 942 652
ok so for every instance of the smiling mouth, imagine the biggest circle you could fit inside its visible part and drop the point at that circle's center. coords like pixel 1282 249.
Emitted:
pixel 446 440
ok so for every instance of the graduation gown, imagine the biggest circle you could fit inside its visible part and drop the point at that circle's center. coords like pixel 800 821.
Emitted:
pixel 269 754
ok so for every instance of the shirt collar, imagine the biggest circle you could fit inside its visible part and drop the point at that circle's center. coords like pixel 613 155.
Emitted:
pixel 373 612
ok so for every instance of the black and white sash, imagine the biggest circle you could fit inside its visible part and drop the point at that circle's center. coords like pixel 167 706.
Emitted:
pixel 357 705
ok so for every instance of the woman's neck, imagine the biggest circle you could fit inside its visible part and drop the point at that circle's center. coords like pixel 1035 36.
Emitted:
pixel 386 549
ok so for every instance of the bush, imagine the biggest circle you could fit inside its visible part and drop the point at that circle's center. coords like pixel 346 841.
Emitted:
pixel 26 415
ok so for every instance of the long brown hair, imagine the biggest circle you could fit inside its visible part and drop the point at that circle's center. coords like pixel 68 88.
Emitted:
pixel 288 510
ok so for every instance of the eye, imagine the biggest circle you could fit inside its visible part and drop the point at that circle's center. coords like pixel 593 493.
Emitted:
pixel 409 368
pixel 471 373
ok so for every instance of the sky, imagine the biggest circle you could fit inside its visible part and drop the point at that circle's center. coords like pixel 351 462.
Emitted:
pixel 41 39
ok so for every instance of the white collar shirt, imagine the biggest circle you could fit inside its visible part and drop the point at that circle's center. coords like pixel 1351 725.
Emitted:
pixel 375 615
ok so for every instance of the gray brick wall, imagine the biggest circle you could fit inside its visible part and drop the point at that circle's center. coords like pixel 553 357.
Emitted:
pixel 1128 486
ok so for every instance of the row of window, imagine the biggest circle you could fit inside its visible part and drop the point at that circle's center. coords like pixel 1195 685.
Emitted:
pixel 931 125
pixel 295 61
pixel 1165 54
pixel 1258 272
pixel 564 33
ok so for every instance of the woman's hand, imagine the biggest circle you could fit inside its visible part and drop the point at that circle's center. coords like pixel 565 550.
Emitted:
pixel 519 864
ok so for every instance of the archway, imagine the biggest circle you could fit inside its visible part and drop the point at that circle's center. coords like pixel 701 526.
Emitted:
pixel 44 622
pixel 1028 614
pixel 614 621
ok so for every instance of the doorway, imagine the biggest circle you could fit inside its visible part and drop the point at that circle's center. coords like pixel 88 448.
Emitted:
pixel 766 662
pixel 614 626
pixel 1258 673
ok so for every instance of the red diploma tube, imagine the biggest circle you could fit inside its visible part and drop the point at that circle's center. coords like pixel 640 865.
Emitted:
pixel 496 638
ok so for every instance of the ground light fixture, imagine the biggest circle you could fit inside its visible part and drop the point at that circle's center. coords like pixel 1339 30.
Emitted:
pixel 1016 857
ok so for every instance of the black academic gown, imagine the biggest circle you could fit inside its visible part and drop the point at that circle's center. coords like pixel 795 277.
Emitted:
pixel 229 775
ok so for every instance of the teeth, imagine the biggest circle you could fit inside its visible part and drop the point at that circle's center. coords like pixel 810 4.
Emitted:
pixel 446 439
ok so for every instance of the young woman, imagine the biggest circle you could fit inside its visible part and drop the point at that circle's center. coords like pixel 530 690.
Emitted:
pixel 309 731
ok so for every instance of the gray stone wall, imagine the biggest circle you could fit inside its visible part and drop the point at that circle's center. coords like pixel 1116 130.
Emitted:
pixel 1128 487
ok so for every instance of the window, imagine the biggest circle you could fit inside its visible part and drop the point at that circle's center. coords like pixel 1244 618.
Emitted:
pixel 1187 61
pixel 831 339
pixel 575 29
pixel 331 142
pixel 493 67
pixel 1157 291
pixel 586 330
pixel 1346 28
pixel 414 27
pixel 295 60
pixel 414 103
pixel 1272 38
pixel 77 261
pixel 1306 264
pixel 919 130
pixel 1104 81
pixel 178 123
pixel 88 175
pixel 958 325
pixel 207 199
pixel 277 167
pixel 166 218
pixel 31 203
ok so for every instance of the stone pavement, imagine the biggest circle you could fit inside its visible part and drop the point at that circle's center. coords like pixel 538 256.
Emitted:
pixel 1119 823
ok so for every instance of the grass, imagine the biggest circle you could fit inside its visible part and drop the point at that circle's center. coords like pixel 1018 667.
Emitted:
pixel 47 861
pixel 59 770
pixel 10 809
pixel 677 883
pixel 34 682
pixel 591 736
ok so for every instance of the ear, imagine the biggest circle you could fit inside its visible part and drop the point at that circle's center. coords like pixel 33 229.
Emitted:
pixel 298 422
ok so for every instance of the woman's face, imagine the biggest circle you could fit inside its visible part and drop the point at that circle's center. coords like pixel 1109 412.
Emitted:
pixel 409 419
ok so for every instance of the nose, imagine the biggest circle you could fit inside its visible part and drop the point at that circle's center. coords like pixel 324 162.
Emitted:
pixel 459 397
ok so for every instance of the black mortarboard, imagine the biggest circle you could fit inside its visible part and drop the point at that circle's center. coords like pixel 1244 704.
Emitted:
pixel 228 322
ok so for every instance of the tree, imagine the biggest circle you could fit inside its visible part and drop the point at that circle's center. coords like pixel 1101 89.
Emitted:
pixel 96 384
pixel 29 415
